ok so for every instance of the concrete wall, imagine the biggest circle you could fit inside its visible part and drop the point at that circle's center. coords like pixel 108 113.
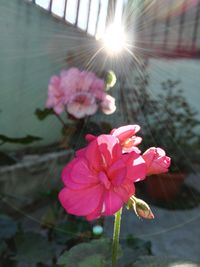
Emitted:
pixel 33 46
pixel 186 71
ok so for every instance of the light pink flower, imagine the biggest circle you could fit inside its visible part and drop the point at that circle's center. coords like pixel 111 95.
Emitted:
pixel 82 104
pixel 100 179
pixel 98 89
pixel 70 82
pixel 108 104
pixel 86 80
pixel 127 138
pixel 78 92
pixel 156 160
pixel 56 97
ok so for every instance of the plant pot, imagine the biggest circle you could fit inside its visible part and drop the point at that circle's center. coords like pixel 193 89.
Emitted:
pixel 164 186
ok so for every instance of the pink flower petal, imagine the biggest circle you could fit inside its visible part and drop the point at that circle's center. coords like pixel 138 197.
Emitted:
pixel 125 132
pixel 117 172
pixel 109 148
pixel 90 137
pixel 96 213
pixel 112 202
pixel 108 104
pixel 125 191
pixel 136 167
pixel 81 105
pixel 81 202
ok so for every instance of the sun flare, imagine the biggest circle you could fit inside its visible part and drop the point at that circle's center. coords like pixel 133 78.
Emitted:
pixel 114 39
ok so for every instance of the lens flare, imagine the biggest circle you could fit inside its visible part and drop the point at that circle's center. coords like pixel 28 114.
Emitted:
pixel 114 39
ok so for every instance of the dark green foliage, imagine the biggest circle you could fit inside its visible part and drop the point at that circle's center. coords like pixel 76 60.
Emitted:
pixel 43 113
pixel 67 242
pixel 84 255
pixel 33 248
pixel 75 229
pixel 132 249
pixel 138 244
pixel 167 121
pixel 23 140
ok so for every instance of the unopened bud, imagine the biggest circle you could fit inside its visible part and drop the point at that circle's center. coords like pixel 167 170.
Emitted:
pixel 141 208
pixel 110 79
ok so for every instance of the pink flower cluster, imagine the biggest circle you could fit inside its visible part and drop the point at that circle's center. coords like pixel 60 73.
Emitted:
pixel 100 179
pixel 80 93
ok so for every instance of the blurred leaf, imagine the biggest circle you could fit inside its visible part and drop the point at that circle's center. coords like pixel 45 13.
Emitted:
pixel 138 244
pixel 70 230
pixel 79 254
pixel 49 218
pixel 133 248
pixel 8 227
pixel 24 140
pixel 43 113
pixel 95 260
pixel 33 248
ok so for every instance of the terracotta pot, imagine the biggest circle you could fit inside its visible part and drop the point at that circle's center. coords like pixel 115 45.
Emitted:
pixel 164 186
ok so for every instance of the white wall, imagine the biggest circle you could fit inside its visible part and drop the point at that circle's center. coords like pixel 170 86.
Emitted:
pixel 33 46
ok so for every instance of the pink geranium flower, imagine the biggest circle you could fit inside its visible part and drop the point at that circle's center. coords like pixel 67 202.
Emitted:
pixel 98 88
pixel 82 104
pixel 78 92
pixel 70 82
pixel 108 104
pixel 56 96
pixel 100 179
pixel 156 160
pixel 127 138
pixel 86 80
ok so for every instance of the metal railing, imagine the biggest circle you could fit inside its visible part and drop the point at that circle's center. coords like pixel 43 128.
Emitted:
pixel 170 28
pixel 90 16
pixel 165 28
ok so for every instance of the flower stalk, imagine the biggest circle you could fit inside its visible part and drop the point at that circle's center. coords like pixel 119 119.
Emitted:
pixel 116 233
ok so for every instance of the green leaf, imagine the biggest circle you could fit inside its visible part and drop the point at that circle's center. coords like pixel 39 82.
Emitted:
pixel 43 113
pixel 70 230
pixel 132 249
pixel 33 248
pixel 138 244
pixel 23 140
pixel 49 218
pixel 95 260
pixel 8 227
pixel 81 254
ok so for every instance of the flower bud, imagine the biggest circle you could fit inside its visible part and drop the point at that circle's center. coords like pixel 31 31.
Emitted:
pixel 110 79
pixel 141 208
pixel 156 160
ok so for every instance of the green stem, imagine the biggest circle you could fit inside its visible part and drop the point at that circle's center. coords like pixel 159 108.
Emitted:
pixel 60 119
pixel 116 232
